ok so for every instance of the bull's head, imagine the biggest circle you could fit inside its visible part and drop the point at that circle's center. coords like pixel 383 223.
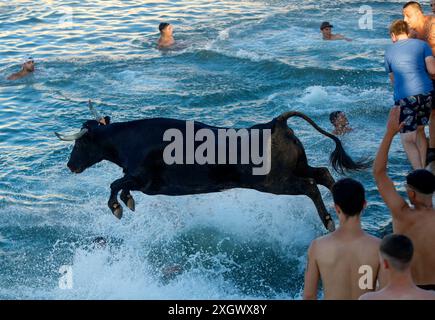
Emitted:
pixel 87 151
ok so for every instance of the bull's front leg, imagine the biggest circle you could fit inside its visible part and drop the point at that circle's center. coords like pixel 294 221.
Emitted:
pixel 117 185
pixel 127 198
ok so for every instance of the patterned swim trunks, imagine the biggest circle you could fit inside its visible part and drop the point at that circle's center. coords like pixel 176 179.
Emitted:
pixel 415 111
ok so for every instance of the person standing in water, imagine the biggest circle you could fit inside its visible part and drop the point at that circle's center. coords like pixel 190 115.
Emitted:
pixel 409 63
pixel 336 258
pixel 415 220
pixel 326 30
pixel 396 253
pixel 423 27
pixel 27 68
pixel 166 36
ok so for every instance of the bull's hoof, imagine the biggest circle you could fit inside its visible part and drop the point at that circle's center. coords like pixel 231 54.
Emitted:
pixel 129 201
pixel 330 226
pixel 117 210
pixel 131 204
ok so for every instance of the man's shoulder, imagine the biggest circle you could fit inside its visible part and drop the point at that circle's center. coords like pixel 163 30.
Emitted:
pixel 417 42
pixel 322 241
pixel 369 296
pixel 371 238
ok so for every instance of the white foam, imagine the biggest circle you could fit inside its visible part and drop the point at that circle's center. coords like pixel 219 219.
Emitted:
pixel 239 215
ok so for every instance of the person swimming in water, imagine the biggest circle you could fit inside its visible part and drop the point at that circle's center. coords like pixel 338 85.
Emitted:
pixel 340 123
pixel 326 30
pixel 166 39
pixel 27 68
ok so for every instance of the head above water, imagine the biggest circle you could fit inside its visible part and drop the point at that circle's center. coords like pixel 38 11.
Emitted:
pixel 396 251
pixel 165 28
pixel 349 197
pixel 326 29
pixel 338 119
pixel 29 65
pixel 420 186
pixel 413 14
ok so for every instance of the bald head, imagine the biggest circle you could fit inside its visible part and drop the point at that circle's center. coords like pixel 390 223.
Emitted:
pixel 413 14
pixel 413 4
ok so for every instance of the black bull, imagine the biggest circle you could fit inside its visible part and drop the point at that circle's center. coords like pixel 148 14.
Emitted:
pixel 138 148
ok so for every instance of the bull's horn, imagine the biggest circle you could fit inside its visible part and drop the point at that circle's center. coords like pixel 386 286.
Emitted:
pixel 94 111
pixel 71 137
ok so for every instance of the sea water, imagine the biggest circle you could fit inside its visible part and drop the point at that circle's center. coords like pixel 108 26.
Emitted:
pixel 237 63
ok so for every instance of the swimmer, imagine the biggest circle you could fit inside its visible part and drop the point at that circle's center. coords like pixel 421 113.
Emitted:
pixel 27 68
pixel 396 253
pixel 326 30
pixel 340 123
pixel 166 38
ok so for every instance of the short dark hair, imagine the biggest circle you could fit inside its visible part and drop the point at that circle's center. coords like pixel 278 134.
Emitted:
pixel 162 26
pixel 349 195
pixel 398 250
pixel 422 181
pixel 399 27
pixel 334 115
pixel 413 4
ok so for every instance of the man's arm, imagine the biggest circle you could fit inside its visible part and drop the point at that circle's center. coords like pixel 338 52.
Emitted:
pixel 431 36
pixel 394 201
pixel 340 37
pixel 312 274
pixel 430 65
pixel 391 78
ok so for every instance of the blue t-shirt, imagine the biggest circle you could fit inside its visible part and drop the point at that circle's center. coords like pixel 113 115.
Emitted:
pixel 406 59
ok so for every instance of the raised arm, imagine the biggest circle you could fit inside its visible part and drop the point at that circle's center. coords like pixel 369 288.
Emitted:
pixel 430 65
pixel 312 274
pixel 431 36
pixel 394 201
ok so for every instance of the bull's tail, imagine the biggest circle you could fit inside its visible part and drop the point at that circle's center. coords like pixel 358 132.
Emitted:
pixel 340 160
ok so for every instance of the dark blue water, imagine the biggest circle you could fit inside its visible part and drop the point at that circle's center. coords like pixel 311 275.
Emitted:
pixel 237 63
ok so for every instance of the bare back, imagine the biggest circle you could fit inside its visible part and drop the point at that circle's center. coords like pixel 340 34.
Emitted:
pixel 419 226
pixel 340 257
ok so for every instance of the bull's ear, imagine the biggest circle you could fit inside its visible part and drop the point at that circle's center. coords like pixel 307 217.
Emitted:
pixel 104 121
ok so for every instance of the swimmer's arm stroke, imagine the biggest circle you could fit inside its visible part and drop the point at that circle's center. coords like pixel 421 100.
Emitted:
pixel 341 37
pixel 392 198
pixel 312 274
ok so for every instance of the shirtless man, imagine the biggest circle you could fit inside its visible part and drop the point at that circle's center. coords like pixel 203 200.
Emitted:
pixel 417 222
pixel 432 5
pixel 396 253
pixel 27 68
pixel 336 258
pixel 326 30
pixel 340 123
pixel 423 28
pixel 166 38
